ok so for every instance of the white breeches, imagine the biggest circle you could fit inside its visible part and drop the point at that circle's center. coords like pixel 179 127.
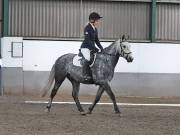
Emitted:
pixel 86 53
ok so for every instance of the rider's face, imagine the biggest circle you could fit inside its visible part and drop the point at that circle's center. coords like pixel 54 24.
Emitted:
pixel 97 23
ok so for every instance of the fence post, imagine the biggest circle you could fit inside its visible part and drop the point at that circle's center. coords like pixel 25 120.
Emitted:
pixel 5 17
pixel 153 21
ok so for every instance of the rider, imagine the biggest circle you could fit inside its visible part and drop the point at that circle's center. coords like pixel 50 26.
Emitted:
pixel 90 38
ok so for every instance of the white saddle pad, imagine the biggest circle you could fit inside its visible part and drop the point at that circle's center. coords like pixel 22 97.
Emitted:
pixel 77 61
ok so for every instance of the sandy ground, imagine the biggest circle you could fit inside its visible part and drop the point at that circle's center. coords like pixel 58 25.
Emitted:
pixel 18 118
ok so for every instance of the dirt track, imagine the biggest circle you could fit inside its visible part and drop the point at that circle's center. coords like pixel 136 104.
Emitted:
pixel 17 118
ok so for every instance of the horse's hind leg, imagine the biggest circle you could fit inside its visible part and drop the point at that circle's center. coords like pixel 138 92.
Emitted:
pixel 98 96
pixel 53 93
pixel 75 93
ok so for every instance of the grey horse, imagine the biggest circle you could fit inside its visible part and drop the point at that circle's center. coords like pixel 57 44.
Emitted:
pixel 101 73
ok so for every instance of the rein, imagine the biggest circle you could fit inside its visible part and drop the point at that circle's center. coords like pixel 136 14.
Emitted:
pixel 122 52
pixel 108 54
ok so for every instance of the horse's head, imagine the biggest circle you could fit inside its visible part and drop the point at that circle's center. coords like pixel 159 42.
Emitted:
pixel 124 49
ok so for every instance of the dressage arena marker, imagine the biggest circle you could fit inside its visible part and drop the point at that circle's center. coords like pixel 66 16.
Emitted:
pixel 89 103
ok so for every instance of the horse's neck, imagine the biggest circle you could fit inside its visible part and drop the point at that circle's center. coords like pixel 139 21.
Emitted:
pixel 112 53
pixel 110 49
pixel 114 60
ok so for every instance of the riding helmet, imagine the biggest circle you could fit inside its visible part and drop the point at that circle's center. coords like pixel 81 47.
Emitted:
pixel 94 16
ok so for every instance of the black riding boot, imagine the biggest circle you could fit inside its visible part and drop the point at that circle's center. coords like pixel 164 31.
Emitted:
pixel 86 71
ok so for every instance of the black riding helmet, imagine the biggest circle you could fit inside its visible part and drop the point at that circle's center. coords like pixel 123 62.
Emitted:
pixel 94 16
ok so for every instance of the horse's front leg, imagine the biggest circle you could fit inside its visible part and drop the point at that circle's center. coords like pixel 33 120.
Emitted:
pixel 111 95
pixel 98 96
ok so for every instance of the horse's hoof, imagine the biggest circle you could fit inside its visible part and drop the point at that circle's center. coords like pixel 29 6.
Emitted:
pixel 47 110
pixel 118 114
pixel 83 113
pixel 88 112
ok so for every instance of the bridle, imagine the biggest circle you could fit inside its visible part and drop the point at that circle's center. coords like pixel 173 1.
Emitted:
pixel 123 52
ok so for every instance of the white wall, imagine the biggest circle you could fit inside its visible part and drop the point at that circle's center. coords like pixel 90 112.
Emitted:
pixel 148 57
pixel 41 55
pixel 7 60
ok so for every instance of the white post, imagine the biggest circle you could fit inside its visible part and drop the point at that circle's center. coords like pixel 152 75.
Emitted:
pixel 1 92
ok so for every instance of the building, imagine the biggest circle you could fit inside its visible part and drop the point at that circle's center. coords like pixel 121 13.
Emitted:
pixel 35 32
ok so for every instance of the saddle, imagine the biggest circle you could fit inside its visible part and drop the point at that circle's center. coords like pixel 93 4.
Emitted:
pixel 79 59
pixel 83 60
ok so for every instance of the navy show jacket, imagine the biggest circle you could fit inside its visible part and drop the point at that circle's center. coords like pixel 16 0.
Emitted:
pixel 90 38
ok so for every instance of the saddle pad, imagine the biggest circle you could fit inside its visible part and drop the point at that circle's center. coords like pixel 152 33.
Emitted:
pixel 77 61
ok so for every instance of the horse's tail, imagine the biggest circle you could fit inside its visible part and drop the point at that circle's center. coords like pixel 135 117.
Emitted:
pixel 49 82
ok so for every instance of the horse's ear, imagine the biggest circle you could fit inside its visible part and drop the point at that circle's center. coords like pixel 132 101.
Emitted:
pixel 120 39
pixel 123 37
pixel 127 38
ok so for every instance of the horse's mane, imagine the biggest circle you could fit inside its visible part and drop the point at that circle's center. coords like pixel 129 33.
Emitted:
pixel 110 46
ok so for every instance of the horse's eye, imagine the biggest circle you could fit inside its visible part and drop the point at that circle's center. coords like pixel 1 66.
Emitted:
pixel 124 47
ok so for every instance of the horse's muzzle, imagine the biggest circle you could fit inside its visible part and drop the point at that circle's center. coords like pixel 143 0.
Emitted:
pixel 130 59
